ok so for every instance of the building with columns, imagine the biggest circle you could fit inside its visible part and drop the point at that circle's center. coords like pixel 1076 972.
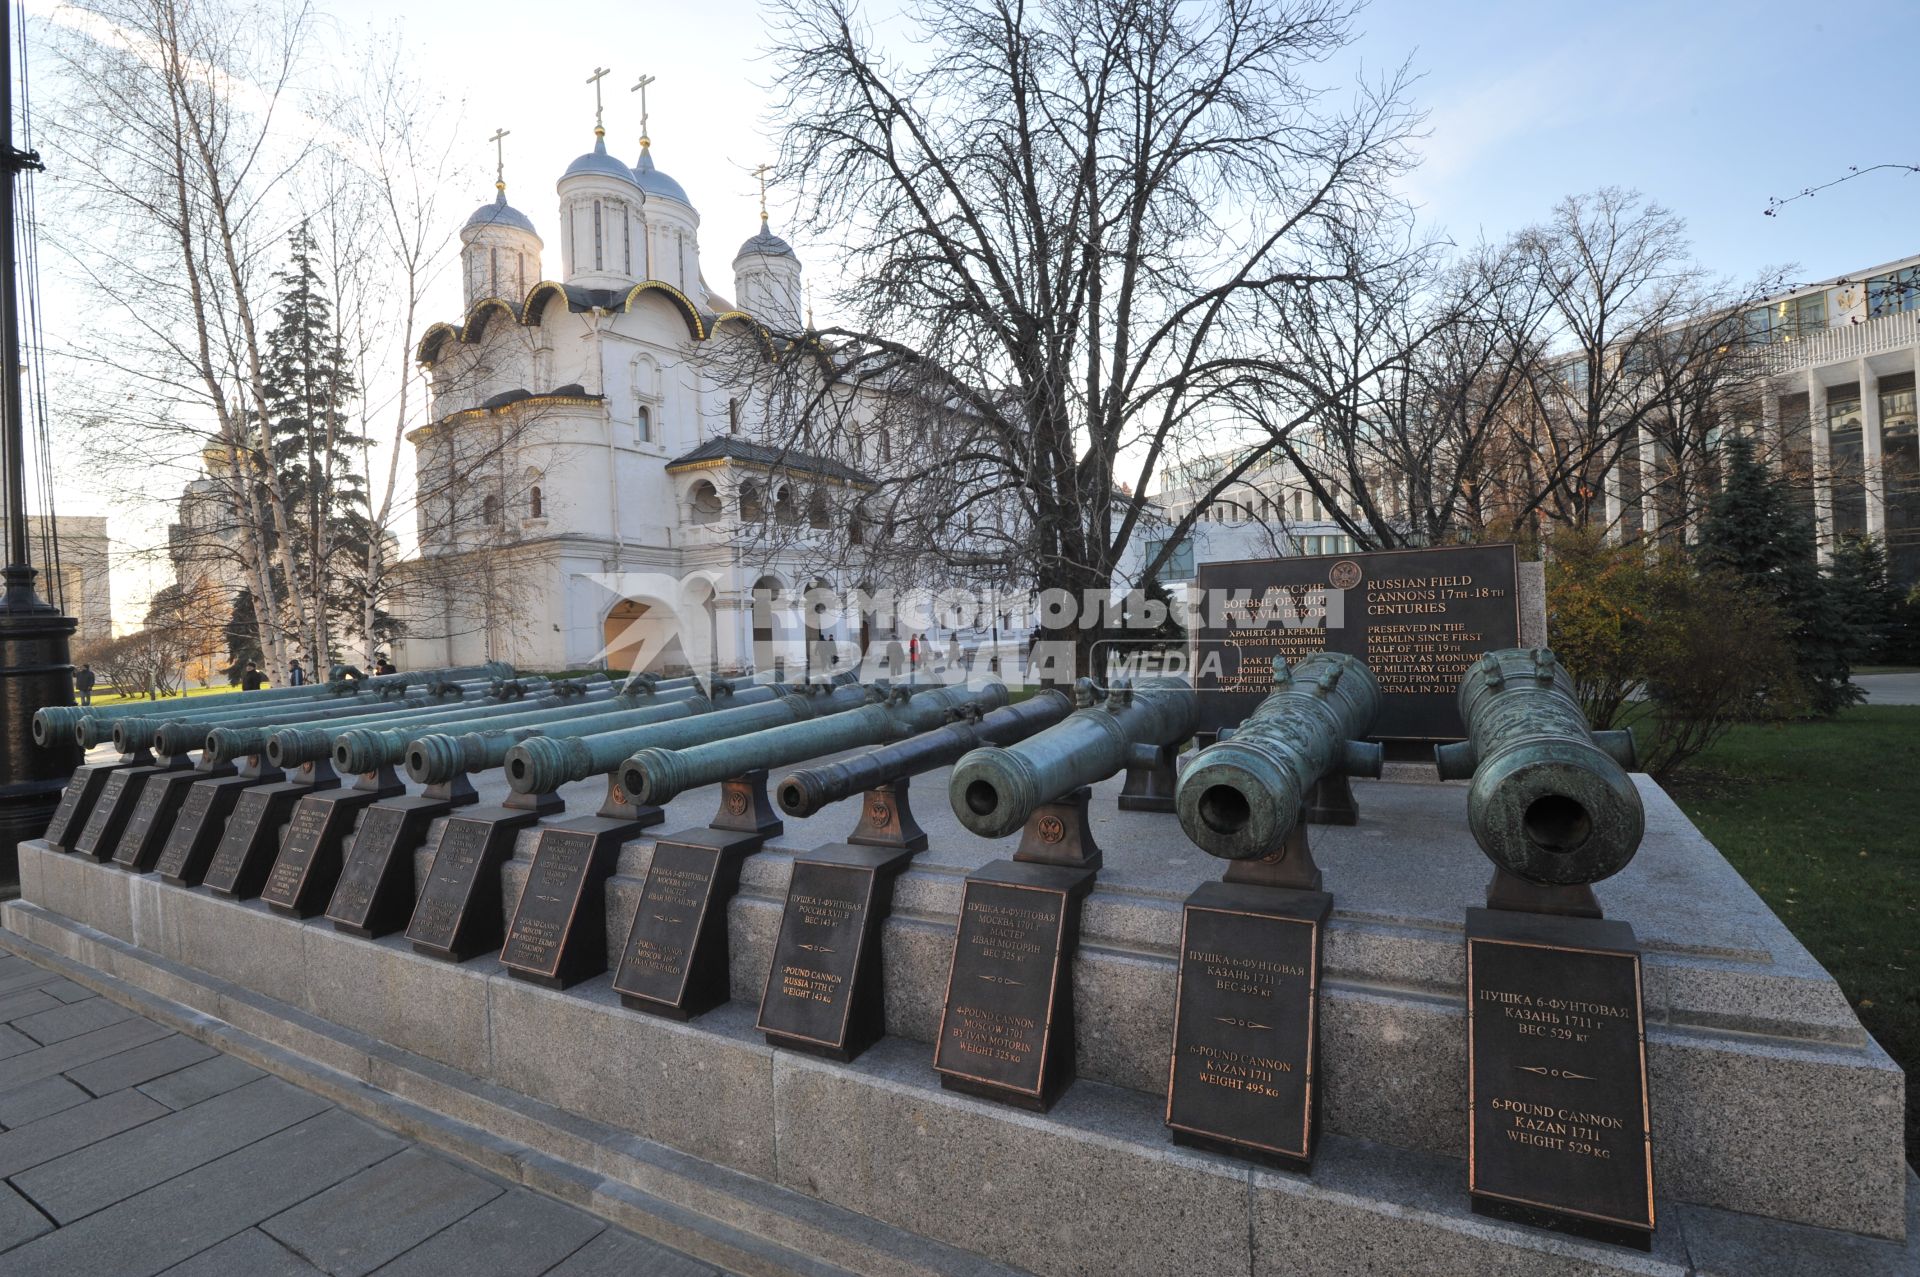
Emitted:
pixel 593 454
pixel 1836 408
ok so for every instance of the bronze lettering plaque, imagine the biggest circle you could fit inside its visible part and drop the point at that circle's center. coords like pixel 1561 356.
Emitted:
pixel 77 802
pixel 251 843
pixel 555 882
pixel 456 865
pixel 1418 618
pixel 816 956
pixel 187 829
pixel 244 829
pixel 1244 1025
pixel 310 828
pixel 107 816
pixel 139 828
pixel 1001 988
pixel 375 844
pixel 1557 1075
pixel 661 948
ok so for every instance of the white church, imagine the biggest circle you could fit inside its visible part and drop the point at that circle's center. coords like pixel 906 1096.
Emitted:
pixel 587 465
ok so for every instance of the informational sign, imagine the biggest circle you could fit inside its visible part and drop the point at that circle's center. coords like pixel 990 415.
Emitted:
pixel 1418 618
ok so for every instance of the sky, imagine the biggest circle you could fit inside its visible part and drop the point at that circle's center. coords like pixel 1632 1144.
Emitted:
pixel 1708 108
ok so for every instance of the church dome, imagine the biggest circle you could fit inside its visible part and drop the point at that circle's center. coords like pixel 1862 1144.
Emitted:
pixel 654 182
pixel 599 164
pixel 500 213
pixel 767 243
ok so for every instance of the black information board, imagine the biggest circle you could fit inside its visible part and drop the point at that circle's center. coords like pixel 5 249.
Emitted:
pixel 1418 618
pixel 1557 1075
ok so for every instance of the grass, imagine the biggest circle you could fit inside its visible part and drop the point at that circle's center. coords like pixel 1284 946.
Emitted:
pixel 116 698
pixel 1823 819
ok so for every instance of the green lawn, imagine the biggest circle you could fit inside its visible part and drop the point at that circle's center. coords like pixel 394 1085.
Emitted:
pixel 1824 820
pixel 109 698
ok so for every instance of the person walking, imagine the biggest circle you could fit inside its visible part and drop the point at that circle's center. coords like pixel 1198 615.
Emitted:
pixel 384 666
pixel 251 680
pixel 83 684
pixel 296 677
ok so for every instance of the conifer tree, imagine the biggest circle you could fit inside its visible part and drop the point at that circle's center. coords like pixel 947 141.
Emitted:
pixel 309 386
pixel 1754 533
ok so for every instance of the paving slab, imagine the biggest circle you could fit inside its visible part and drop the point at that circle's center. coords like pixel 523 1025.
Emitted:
pixel 30 1066
pixel 248 1254
pixel 358 1225
pixel 200 1082
pixel 66 991
pixel 141 1064
pixel 71 1020
pixel 19 1221
pixel 27 1002
pixel 518 1234
pixel 13 1042
pixel 52 1137
pixel 39 1099
pixel 95 1177
pixel 154 1230
pixel 617 1254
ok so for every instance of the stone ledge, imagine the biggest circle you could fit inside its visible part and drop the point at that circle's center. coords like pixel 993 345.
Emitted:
pixel 1092 1187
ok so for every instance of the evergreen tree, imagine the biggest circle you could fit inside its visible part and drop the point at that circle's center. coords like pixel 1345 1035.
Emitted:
pixel 243 637
pixel 1754 533
pixel 309 386
pixel 1859 581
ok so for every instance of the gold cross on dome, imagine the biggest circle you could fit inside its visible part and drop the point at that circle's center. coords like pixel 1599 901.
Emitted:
pixel 599 73
pixel 499 159
pixel 641 89
pixel 761 173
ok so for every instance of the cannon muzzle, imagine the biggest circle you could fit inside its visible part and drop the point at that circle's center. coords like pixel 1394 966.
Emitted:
pixel 995 788
pixel 1240 798
pixel 1550 799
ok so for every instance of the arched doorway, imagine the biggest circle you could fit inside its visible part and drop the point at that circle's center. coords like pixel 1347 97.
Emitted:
pixel 766 638
pixel 639 636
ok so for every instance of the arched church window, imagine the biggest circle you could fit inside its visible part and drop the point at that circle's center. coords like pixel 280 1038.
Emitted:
pixel 886 444
pixel 733 416
pixel 856 531
pixel 536 508
pixel 1299 505
pixel 751 506
pixel 643 424
pixel 785 509
pixel 626 240
pixel 490 509
pixel 519 274
pixel 817 514
pixel 706 503
pixel 493 272
pixel 599 255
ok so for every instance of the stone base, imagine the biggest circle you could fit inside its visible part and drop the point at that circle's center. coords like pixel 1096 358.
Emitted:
pixel 767 1161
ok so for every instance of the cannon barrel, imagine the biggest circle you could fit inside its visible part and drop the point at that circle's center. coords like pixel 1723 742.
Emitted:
pixel 994 789
pixel 175 736
pixel 226 741
pixel 359 748
pixel 89 726
pixel 437 758
pixel 655 775
pixel 293 744
pixel 1240 798
pixel 541 764
pixel 1550 799
pixel 804 792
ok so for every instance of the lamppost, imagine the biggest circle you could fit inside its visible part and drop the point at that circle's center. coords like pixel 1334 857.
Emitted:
pixel 36 667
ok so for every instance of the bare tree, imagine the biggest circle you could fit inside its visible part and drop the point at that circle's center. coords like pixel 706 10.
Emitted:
pixel 1067 231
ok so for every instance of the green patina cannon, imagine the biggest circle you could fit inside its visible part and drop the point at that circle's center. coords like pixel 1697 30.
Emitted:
pixel 996 788
pixel 656 775
pixel 805 792
pixel 1240 799
pixel 91 726
pixel 541 764
pixel 179 735
pixel 295 744
pixel 1551 802
pixel 439 757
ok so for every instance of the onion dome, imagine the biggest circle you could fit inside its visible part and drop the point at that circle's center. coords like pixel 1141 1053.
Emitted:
pixel 500 213
pixel 766 243
pixel 653 181
pixel 598 163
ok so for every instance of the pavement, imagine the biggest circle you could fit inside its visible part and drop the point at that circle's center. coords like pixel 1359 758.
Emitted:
pixel 1890 689
pixel 130 1150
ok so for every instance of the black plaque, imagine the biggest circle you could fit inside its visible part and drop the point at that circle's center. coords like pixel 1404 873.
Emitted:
pixel 825 993
pixel 1246 1023
pixel 1418 618
pixel 1558 1133
pixel 119 798
pixel 77 802
pixel 197 829
pixel 558 936
pixel 308 867
pixel 251 842
pixel 374 896
pixel 676 959
pixel 1006 1031
pixel 153 816
pixel 458 916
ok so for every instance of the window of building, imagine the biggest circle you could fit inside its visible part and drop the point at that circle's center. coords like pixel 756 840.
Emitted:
pixel 493 272
pixel 1846 467
pixel 643 424
pixel 1299 506
pixel 1900 462
pixel 1894 292
pixel 536 507
pixel 818 515
pixel 751 505
pixel 1789 320
pixel 490 509
pixel 599 255
pixel 733 416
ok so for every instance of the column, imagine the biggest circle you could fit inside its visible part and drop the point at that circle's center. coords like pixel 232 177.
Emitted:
pixel 1822 436
pixel 1649 486
pixel 1871 452
pixel 1614 505
pixel 1773 444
